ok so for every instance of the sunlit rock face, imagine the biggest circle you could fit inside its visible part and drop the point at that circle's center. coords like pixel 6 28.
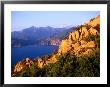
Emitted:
pixel 22 64
pixel 76 40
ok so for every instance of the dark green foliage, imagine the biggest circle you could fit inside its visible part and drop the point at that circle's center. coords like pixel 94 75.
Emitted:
pixel 46 57
pixel 62 67
pixel 87 26
pixel 79 27
pixel 87 67
pixel 97 27
pixel 68 66
pixel 28 72
pixel 90 38
pixel 92 19
pixel 95 38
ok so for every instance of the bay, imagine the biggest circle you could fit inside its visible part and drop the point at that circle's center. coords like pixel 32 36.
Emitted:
pixel 31 51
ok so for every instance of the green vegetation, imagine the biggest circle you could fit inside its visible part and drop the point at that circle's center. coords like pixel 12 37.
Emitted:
pixel 97 27
pixel 90 38
pixel 62 67
pixel 95 38
pixel 28 72
pixel 92 19
pixel 68 66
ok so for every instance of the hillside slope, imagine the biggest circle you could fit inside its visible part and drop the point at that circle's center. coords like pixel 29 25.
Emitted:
pixel 78 55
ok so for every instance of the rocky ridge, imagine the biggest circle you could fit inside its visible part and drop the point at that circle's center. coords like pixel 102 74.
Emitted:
pixel 76 41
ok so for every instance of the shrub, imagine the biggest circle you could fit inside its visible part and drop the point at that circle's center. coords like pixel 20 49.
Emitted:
pixel 92 19
pixel 90 38
pixel 68 65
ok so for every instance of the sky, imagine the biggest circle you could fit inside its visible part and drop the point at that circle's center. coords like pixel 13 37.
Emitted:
pixel 25 19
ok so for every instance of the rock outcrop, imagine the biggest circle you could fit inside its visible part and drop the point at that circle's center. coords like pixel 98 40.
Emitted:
pixel 42 62
pixel 76 41
pixel 18 67
pixel 22 64
pixel 94 21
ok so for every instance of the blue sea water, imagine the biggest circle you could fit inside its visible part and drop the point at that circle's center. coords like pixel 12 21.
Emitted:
pixel 32 51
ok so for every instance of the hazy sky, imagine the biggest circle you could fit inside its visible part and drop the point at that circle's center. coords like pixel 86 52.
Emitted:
pixel 24 19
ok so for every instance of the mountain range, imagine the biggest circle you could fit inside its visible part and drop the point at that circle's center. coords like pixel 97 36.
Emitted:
pixel 36 35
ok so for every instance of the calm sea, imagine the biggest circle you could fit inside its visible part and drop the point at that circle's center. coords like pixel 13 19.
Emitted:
pixel 32 51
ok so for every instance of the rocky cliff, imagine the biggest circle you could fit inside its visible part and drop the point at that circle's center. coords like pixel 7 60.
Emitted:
pixel 82 41
pixel 78 42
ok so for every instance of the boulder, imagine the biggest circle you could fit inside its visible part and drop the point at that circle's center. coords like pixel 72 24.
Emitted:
pixel 88 51
pixel 64 47
pixel 40 63
pixel 18 67
pixel 83 43
pixel 29 62
pixel 93 31
pixel 91 44
pixel 84 32
pixel 76 35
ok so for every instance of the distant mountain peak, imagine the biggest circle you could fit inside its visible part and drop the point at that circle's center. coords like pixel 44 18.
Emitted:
pixel 69 26
pixel 33 27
